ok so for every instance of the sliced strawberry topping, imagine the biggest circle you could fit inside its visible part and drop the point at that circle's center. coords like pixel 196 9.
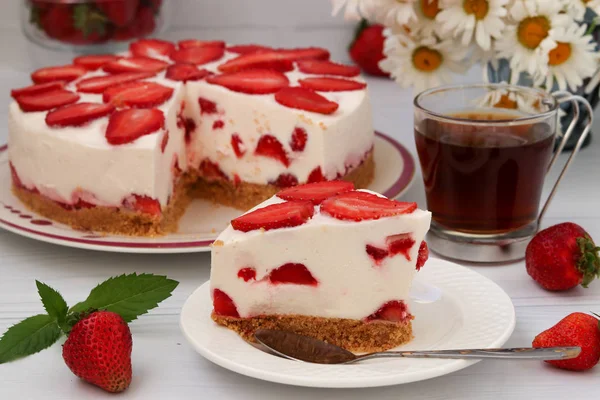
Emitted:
pixel 248 48
pixel 218 124
pixel 223 304
pixel 304 53
pixel 65 73
pixel 78 114
pixel 423 255
pixel 359 206
pixel 186 44
pixel 46 101
pixel 254 81
pixel 144 204
pixel 94 61
pixel 211 170
pixel 189 127
pixel 151 48
pixel 185 72
pixel 292 273
pixel 331 84
pixel 275 216
pixel 247 274
pixel 316 192
pixel 285 180
pixel 164 142
pixel 37 89
pixel 321 67
pixel 238 146
pixel 377 254
pixel 270 60
pixel 305 99
pixel 400 244
pixel 394 311
pixel 138 95
pixel 316 175
pixel 99 84
pixel 299 138
pixel 198 55
pixel 207 106
pixel 135 64
pixel 125 126
pixel 269 146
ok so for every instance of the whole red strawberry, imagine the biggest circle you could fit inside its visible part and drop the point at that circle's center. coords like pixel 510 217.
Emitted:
pixel 576 329
pixel 120 12
pixel 367 48
pixel 98 350
pixel 57 21
pixel 562 257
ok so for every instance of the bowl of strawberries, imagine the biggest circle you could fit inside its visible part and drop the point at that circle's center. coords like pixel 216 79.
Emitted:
pixel 86 25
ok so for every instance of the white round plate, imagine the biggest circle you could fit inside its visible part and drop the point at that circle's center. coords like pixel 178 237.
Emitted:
pixel 199 226
pixel 470 312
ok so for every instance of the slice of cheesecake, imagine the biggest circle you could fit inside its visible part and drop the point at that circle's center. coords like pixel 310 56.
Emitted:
pixel 322 260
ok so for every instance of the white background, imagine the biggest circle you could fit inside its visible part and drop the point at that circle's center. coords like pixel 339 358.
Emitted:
pixel 164 365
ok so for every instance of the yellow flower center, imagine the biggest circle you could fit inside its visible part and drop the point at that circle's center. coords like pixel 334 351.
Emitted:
pixel 560 54
pixel 430 8
pixel 532 31
pixel 479 8
pixel 506 102
pixel 426 59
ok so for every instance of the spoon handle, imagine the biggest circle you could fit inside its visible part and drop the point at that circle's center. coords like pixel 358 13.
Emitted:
pixel 528 353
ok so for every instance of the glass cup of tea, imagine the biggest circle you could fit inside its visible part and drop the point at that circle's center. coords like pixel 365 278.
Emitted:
pixel 485 150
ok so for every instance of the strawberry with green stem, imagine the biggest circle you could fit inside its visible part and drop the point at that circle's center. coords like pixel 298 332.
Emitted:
pixel 98 345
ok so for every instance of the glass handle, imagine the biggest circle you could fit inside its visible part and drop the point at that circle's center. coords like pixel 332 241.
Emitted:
pixel 563 97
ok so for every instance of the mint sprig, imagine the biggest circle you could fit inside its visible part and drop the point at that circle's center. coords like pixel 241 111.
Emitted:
pixel 127 295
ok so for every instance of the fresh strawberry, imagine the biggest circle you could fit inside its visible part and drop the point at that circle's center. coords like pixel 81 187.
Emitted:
pixel 304 53
pixel 186 44
pixel 423 255
pixel 151 48
pixel 376 253
pixel 98 84
pixel 238 146
pixel 576 329
pixel 360 206
pixel 57 21
pixel 291 273
pixel 211 171
pixel 78 114
pixel 137 95
pixel 64 73
pixel 562 257
pixel 144 204
pixel 120 12
pixel 223 305
pixel 316 175
pixel 164 142
pixel 126 126
pixel 305 99
pixel 400 244
pixel 135 64
pixel 37 89
pixel 393 311
pixel 298 140
pixel 218 124
pixel 367 49
pixel 46 101
pixel 94 61
pixel 79 37
pixel 142 25
pixel 248 48
pixel 275 216
pixel 316 192
pixel 198 55
pixel 155 5
pixel 269 146
pixel 285 180
pixel 185 72
pixel 331 84
pixel 15 177
pixel 98 350
pixel 268 60
pixel 321 67
pixel 207 106
pixel 255 81
pixel 247 274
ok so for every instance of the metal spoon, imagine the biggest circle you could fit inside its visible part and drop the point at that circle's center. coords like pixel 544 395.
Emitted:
pixel 302 348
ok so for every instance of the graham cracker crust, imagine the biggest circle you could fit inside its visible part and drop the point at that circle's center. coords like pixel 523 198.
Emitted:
pixel 353 335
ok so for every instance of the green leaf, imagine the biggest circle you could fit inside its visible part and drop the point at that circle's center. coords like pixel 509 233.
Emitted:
pixel 128 295
pixel 53 302
pixel 28 337
pixel 88 20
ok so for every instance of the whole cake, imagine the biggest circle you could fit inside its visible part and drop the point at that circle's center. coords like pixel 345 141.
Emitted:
pixel 121 143
pixel 322 260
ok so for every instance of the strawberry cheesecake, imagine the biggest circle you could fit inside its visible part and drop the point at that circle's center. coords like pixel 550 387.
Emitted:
pixel 322 260
pixel 121 143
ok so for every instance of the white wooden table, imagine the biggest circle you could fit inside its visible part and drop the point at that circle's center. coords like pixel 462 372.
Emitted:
pixel 164 365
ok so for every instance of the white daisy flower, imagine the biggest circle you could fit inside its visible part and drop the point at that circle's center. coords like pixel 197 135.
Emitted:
pixel 393 12
pixel 479 19
pixel 526 40
pixel 422 62
pixel 426 23
pixel 577 8
pixel 509 99
pixel 571 59
pixel 353 8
